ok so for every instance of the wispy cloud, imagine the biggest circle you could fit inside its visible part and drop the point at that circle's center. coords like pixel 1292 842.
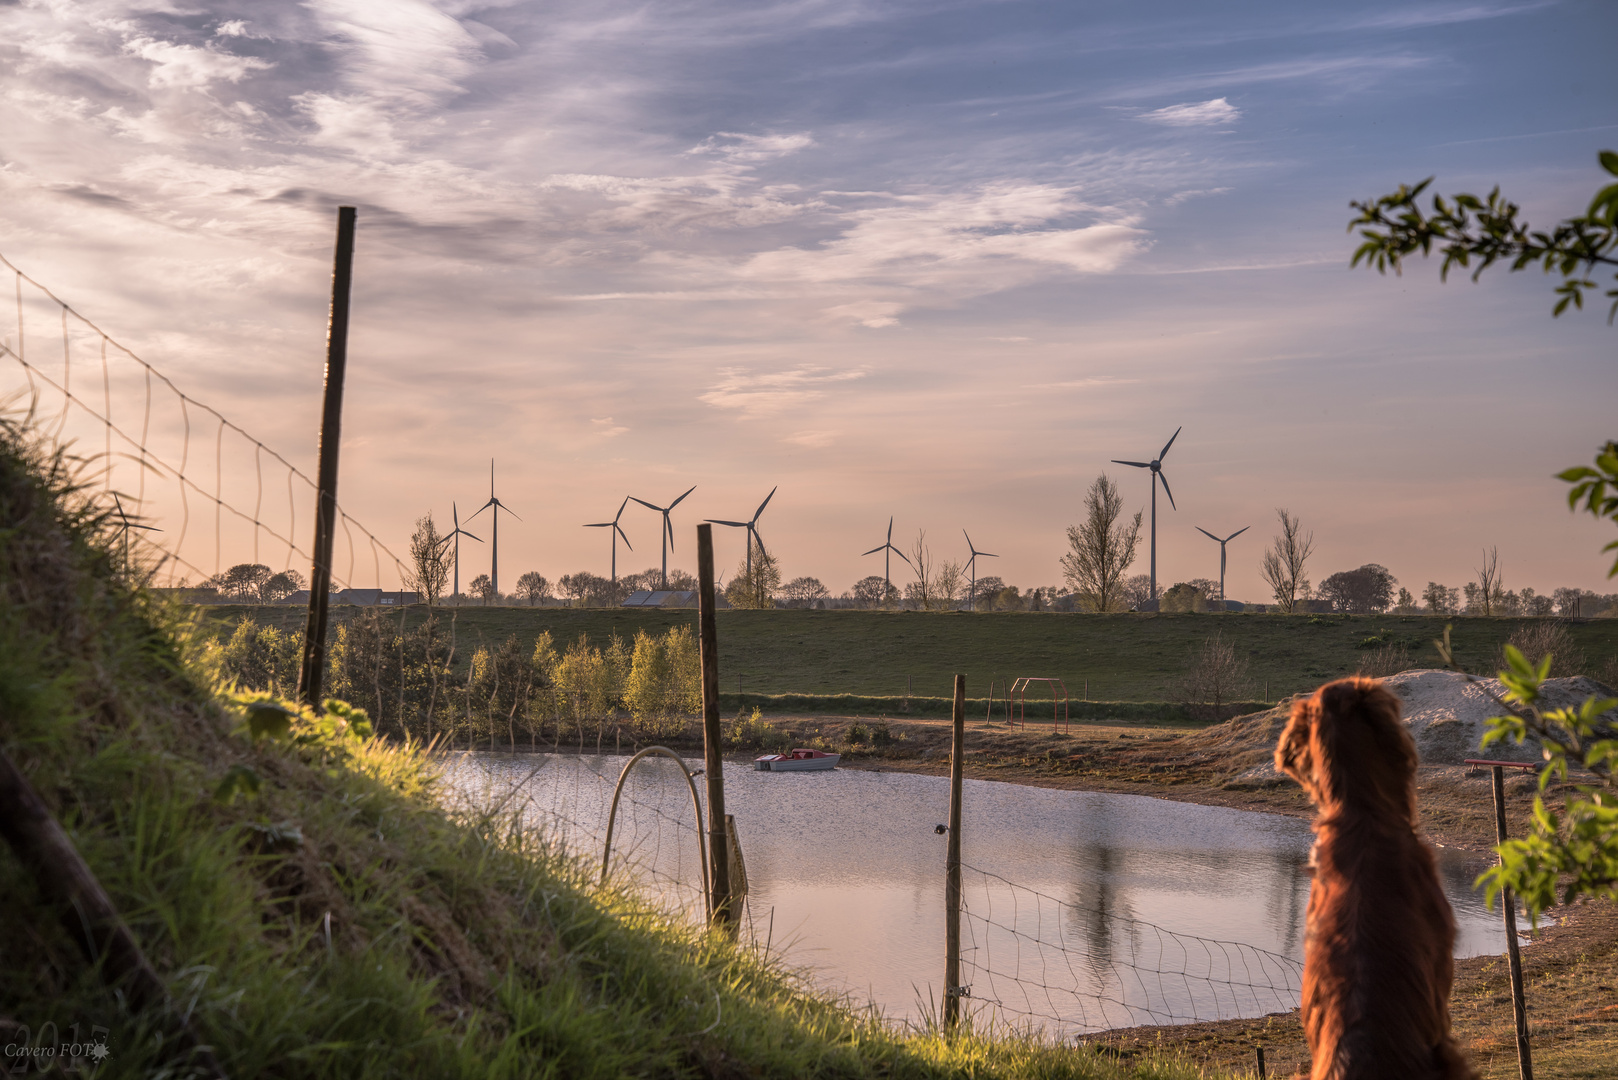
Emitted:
pixel 1215 113
pixel 606 428
pixel 760 394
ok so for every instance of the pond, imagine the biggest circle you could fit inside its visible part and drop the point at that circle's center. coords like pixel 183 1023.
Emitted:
pixel 1084 910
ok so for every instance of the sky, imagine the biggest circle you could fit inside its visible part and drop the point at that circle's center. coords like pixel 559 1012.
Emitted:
pixel 937 261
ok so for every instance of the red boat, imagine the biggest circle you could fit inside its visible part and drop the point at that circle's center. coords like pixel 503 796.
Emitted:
pixel 801 760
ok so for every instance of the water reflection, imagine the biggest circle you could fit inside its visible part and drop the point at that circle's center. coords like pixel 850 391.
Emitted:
pixel 1085 909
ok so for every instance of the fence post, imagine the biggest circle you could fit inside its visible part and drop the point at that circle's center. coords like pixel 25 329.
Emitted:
pixel 331 425
pixel 1261 1071
pixel 952 881
pixel 723 913
pixel 1519 1005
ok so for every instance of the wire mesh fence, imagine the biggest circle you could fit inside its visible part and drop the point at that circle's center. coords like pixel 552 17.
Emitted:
pixel 180 469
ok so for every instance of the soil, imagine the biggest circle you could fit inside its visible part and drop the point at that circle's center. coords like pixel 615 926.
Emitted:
pixel 1571 967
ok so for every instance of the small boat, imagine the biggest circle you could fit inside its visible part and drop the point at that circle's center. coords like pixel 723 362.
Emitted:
pixel 802 760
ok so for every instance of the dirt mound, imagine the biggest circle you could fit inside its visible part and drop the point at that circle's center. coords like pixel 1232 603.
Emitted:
pixel 1446 714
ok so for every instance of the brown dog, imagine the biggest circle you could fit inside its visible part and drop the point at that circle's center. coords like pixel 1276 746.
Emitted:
pixel 1378 959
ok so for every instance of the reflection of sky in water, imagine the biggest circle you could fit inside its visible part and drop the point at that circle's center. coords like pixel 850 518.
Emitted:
pixel 847 878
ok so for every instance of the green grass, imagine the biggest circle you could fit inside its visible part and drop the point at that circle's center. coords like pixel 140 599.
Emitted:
pixel 349 918
pixel 1123 658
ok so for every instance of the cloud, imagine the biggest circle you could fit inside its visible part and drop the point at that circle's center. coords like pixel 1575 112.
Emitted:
pixel 873 313
pixel 769 393
pixel 1195 114
pixel 1181 196
pixel 814 440
pixel 606 428
pixel 751 149
pixel 186 67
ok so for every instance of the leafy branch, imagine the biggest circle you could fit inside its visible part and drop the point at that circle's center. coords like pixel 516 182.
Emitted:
pixel 1469 230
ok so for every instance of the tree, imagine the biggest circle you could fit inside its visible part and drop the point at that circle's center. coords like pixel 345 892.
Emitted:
pixel 874 591
pixel 1360 592
pixel 1468 228
pixel 755 586
pixel 482 587
pixel 244 582
pixel 949 583
pixel 1216 676
pixel 1284 562
pixel 803 591
pixel 988 589
pixel 282 585
pixel 533 587
pixel 1406 604
pixel 680 581
pixel 1135 591
pixel 1487 592
pixel 923 590
pixel 1101 548
pixel 429 561
pixel 1182 597
pixel 1440 599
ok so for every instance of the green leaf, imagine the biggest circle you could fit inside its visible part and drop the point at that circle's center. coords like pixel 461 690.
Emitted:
pixel 269 719
pixel 1609 161
pixel 239 780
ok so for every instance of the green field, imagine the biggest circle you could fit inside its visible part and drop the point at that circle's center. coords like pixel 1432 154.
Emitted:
pixel 1126 657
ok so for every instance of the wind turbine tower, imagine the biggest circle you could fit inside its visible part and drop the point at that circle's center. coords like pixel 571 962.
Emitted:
pixel 751 525
pixel 617 531
pixel 1222 544
pixel 494 550
pixel 668 527
pixel 972 567
pixel 455 535
pixel 887 562
pixel 1156 465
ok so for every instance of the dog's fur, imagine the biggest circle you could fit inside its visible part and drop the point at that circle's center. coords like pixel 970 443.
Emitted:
pixel 1378 959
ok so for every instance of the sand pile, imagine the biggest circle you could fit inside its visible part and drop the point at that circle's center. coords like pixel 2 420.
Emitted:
pixel 1446 714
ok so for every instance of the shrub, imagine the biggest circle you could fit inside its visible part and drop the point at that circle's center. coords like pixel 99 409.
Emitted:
pixel 881 735
pixel 259 657
pixel 1216 676
pixel 756 733
pixel 1548 637
pixel 857 734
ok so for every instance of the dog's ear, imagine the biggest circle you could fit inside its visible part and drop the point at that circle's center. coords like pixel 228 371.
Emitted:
pixel 1363 754
pixel 1292 755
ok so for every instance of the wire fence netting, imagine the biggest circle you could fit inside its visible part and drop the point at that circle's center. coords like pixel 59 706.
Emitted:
pixel 194 490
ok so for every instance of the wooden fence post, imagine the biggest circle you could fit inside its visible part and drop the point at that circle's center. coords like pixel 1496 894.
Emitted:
pixel 723 913
pixel 331 426
pixel 1519 1003
pixel 952 882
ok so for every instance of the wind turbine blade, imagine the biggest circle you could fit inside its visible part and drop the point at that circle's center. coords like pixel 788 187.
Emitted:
pixel 688 491
pixel 969 546
pixel 901 555
pixel 623 534
pixel 620 512
pixel 468 535
pixel 1137 464
pixel 986 554
pixel 732 524
pixel 1166 490
pixel 758 536
pixel 480 510
pixel 890 529
pixel 669 525
pixel 1170 443
pixel 1237 533
pixel 455 513
pixel 766 502
pixel 646 504
pixel 602 525
pixel 1208 534
pixel 873 551
pixel 510 511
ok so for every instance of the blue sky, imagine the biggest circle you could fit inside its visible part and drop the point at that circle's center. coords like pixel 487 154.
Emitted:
pixel 939 261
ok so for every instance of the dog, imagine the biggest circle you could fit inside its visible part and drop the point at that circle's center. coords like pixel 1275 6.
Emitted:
pixel 1378 955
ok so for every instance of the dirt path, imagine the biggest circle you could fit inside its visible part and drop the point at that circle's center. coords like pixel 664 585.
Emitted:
pixel 1571 968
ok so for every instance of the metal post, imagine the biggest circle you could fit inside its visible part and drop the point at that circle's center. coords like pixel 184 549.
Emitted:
pixel 331 424
pixel 952 881
pixel 1261 1072
pixel 1519 1005
pixel 722 913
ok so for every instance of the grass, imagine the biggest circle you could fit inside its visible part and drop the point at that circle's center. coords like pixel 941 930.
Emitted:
pixel 347 919
pixel 894 655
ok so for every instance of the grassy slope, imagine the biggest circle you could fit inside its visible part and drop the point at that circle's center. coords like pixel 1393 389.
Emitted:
pixel 1123 657
pixel 457 944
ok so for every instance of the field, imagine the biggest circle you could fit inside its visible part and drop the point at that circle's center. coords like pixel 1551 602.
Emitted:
pixel 890 654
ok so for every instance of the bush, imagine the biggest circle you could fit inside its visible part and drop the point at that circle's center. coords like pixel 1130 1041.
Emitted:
pixel 857 734
pixel 756 733
pixel 1548 637
pixel 881 735
pixel 1216 676
pixel 259 657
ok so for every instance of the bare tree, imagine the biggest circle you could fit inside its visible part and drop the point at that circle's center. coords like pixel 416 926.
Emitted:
pixel 1102 548
pixel 533 587
pixel 950 583
pixel 482 587
pixel 1490 588
pixel 429 561
pixel 923 589
pixel 1283 565
pixel 1216 677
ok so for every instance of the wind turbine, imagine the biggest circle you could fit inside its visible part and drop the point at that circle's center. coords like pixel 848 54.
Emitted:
pixel 972 566
pixel 1156 465
pixel 752 530
pixel 668 528
pixel 617 531
pixel 455 535
pixel 494 551
pixel 887 561
pixel 1222 544
pixel 126 525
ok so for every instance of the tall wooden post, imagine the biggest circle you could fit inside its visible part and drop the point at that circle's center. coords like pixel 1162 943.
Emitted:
pixel 952 880
pixel 331 430
pixel 1519 1004
pixel 723 913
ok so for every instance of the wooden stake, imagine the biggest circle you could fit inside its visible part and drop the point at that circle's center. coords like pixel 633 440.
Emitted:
pixel 1519 1004
pixel 952 866
pixel 331 432
pixel 722 913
